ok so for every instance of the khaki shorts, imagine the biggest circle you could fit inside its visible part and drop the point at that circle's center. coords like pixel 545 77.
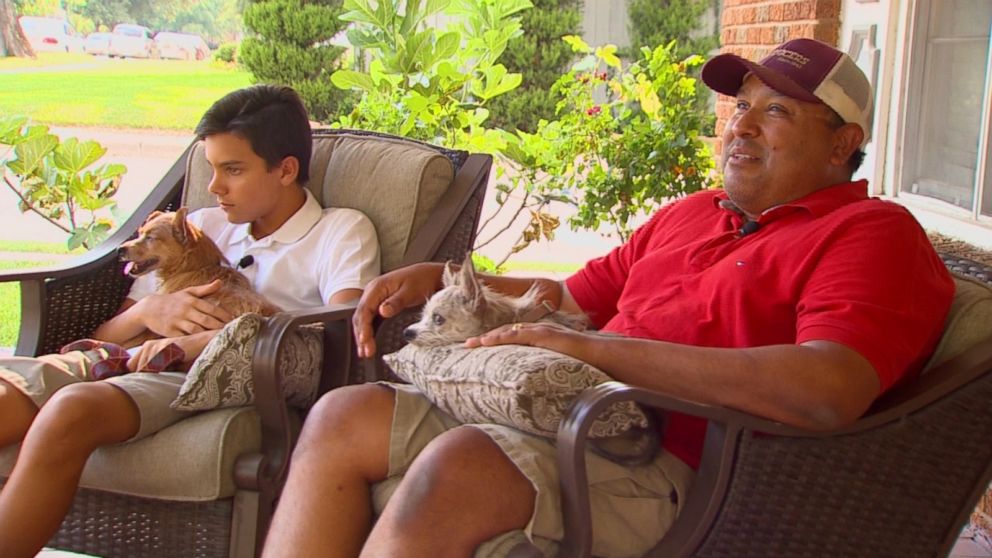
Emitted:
pixel 39 378
pixel 632 507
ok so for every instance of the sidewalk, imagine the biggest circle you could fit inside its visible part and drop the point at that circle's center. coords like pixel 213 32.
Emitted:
pixel 148 154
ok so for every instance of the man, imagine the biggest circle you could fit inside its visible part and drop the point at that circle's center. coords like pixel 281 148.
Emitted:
pixel 258 142
pixel 789 294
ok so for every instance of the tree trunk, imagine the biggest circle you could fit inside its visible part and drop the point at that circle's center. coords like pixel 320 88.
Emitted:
pixel 11 35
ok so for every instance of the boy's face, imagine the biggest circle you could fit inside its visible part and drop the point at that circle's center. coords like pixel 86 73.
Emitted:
pixel 246 189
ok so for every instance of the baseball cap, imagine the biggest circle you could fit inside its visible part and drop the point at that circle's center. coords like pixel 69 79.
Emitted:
pixel 803 69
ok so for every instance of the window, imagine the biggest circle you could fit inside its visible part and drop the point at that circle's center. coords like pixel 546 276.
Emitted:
pixel 947 154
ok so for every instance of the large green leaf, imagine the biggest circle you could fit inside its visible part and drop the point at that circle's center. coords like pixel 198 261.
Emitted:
pixel 360 11
pixel 88 236
pixel 31 153
pixel 418 52
pixel 10 129
pixel 73 155
pixel 447 45
pixel 350 79
pixel 363 39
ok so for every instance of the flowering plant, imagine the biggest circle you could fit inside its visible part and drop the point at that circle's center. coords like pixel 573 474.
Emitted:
pixel 627 138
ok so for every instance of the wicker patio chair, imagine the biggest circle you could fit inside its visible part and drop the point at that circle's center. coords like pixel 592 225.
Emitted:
pixel 206 486
pixel 900 482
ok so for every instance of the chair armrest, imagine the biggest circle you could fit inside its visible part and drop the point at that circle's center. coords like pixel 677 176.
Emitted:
pixel 278 436
pixel 726 431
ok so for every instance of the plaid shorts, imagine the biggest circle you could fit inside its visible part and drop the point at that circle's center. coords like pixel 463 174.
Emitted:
pixel 632 507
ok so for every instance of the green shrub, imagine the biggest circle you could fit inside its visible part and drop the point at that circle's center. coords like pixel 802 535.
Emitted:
pixel 227 52
pixel 621 157
pixel 541 57
pixel 290 45
pixel 428 83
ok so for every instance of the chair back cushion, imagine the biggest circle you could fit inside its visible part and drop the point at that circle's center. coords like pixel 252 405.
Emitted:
pixel 395 182
pixel 968 322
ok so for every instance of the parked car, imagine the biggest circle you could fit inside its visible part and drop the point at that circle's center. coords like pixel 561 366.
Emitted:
pixel 130 40
pixel 181 46
pixel 51 34
pixel 97 44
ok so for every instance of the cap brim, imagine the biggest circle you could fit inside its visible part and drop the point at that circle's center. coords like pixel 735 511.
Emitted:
pixel 725 74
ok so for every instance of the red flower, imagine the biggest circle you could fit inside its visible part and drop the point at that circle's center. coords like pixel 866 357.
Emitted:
pixel 593 111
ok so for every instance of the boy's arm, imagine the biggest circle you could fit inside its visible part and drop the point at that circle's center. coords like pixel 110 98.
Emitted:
pixel 345 295
pixel 191 345
pixel 171 315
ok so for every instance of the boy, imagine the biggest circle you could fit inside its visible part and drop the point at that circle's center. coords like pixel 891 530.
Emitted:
pixel 258 142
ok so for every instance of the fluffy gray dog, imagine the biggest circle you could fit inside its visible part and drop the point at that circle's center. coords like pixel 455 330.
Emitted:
pixel 465 308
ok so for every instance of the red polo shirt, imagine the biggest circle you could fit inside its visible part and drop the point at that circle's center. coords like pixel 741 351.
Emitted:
pixel 835 265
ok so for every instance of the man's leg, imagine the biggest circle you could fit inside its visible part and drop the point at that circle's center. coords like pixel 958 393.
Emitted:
pixel 461 491
pixel 16 413
pixel 75 421
pixel 325 508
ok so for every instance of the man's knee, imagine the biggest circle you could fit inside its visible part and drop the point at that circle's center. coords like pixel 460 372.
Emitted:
pixel 465 460
pixel 347 417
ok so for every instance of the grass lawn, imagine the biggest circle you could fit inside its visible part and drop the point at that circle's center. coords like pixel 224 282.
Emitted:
pixel 10 303
pixel 73 90
pixel 10 293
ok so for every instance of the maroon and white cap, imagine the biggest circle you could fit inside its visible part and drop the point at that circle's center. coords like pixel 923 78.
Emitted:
pixel 803 69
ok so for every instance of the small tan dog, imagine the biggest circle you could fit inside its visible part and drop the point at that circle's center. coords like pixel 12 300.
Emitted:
pixel 465 308
pixel 185 257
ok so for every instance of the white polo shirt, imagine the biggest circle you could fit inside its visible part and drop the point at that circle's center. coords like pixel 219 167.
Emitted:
pixel 314 254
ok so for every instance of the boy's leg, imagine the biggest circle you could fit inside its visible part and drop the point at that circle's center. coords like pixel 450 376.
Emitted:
pixel 69 427
pixel 325 508
pixel 16 413
pixel 27 383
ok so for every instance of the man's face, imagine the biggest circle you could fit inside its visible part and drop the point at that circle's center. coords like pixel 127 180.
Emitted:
pixel 246 189
pixel 777 149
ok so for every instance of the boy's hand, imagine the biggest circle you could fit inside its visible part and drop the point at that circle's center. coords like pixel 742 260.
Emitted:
pixel 388 295
pixel 183 312
pixel 191 345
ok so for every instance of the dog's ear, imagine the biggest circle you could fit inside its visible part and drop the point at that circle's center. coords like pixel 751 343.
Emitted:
pixel 181 226
pixel 471 286
pixel 152 215
pixel 449 277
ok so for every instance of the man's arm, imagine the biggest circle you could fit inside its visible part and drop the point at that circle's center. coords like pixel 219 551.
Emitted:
pixel 818 385
pixel 171 315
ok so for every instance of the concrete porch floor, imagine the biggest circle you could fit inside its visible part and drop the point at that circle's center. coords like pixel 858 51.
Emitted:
pixel 966 547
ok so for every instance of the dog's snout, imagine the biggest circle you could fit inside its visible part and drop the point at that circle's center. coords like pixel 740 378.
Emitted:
pixel 409 334
pixel 122 252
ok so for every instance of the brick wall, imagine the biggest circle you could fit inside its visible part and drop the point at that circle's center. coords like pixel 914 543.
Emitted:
pixel 751 28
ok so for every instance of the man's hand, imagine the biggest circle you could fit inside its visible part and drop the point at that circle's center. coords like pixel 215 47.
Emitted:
pixel 192 346
pixel 183 312
pixel 388 295
pixel 547 335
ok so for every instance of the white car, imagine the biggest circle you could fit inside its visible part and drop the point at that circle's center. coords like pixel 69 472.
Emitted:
pixel 97 44
pixel 181 46
pixel 51 34
pixel 133 41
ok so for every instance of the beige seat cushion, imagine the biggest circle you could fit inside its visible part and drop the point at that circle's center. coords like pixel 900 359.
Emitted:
pixel 164 466
pixel 392 181
pixel 968 322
